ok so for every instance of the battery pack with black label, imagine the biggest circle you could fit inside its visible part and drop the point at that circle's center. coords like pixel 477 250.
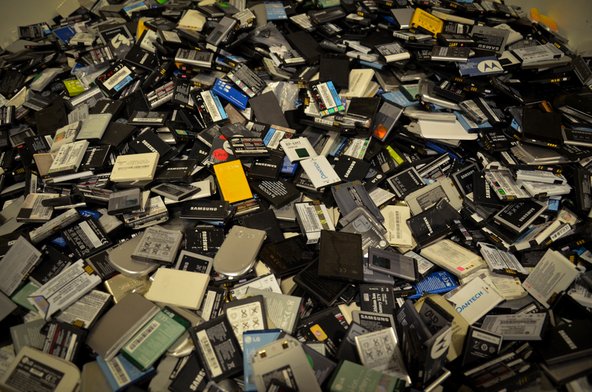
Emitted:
pixel 113 81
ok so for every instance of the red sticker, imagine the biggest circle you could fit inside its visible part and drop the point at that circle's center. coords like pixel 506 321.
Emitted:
pixel 219 154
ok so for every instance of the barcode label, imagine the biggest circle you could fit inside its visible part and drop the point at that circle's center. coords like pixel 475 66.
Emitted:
pixel 165 89
pixel 381 196
pixel 246 79
pixel 209 355
pixel 211 106
pixel 499 260
pixel 395 221
pixel 517 326
pixel 51 226
pixel 560 232
pixel 505 187
pixel 199 56
pixel 511 330
pixel 398 231
pixel 302 20
pixel 423 264
pixel 276 136
pixel 323 121
pixel 90 234
pixel 244 17
pixel 194 57
pixel 204 242
pixel 486 337
pixel 148 330
pixel 357 147
pixel 38 211
pixel 117 77
pixel 393 48
pixel 326 96
pixel 321 217
pixel 539 52
pixel 118 372
pixel 148 119
pixel 293 60
pixel 208 305
pixel 62 159
pixel 581 290
pixel 310 221
pixel 182 54
pixel 518 322
pixel 535 175
pixel 170 36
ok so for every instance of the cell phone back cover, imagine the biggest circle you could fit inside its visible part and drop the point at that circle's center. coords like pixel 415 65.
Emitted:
pixel 117 133
pixel 239 251
pixel 94 126
pixel 306 45
pixel 336 69
pixel 267 109
pixel 341 256
pixel 232 181
pixel 124 319
pixel 540 125
pixel 51 118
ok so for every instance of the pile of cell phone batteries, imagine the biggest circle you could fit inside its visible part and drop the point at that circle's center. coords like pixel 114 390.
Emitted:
pixel 336 195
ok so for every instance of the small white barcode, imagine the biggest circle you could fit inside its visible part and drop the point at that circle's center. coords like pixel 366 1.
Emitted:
pixel 118 372
pixel 312 219
pixel 209 355
pixel 148 330
pixel 398 229
pixel 117 77
pixel 521 321
pixel 211 106
pixel 275 139
pixel 326 95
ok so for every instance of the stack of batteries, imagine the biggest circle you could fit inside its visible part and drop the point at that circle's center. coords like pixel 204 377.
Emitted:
pixel 336 195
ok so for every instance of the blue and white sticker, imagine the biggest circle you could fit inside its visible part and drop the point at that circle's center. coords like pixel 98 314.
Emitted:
pixel 480 66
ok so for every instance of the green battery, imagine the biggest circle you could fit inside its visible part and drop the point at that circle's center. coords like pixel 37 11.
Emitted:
pixel 155 337
pixel 327 3
pixel 351 377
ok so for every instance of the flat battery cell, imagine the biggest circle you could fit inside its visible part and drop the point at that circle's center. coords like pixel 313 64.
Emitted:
pixel 286 361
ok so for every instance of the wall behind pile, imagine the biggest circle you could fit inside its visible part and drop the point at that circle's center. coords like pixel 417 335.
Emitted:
pixel 25 12
pixel 574 18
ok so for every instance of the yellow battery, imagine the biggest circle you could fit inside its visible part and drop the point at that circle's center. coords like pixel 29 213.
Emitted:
pixel 426 21
pixel 74 87
pixel 395 155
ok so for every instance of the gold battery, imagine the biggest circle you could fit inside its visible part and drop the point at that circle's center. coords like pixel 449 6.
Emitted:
pixel 425 21
pixel 120 285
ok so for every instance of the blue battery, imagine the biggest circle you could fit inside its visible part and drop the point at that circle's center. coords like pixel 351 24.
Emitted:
pixel 231 94
pixel 252 342
pixel 438 282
